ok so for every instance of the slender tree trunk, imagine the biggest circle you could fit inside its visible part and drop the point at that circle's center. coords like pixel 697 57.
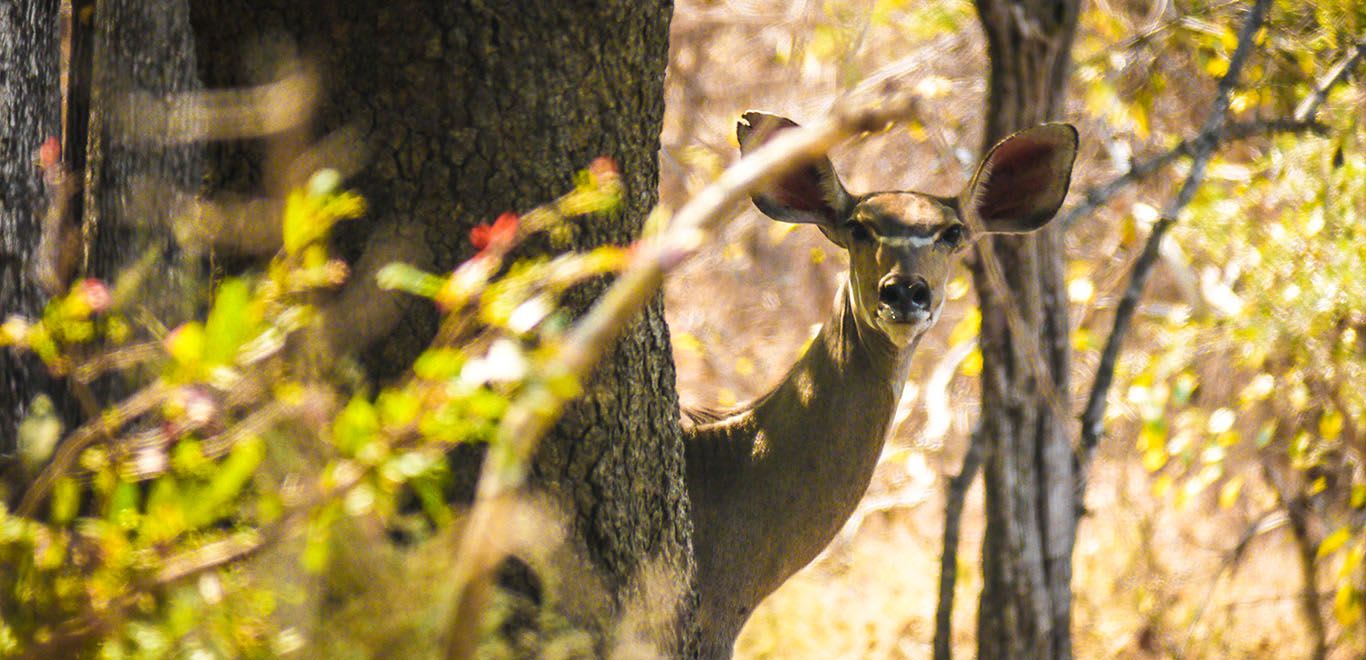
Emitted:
pixel 467 110
pixel 1024 610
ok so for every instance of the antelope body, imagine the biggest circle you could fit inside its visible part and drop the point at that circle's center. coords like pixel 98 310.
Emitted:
pixel 772 482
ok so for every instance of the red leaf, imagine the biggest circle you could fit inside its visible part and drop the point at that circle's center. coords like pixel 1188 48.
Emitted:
pixel 503 230
pixel 95 294
pixel 50 154
pixel 603 166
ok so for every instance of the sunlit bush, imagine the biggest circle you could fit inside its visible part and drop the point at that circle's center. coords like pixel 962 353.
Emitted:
pixel 133 535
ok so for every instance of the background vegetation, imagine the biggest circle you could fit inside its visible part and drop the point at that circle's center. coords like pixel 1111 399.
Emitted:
pixel 1232 464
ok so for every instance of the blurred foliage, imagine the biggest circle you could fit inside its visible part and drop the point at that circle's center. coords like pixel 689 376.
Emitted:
pixel 1238 392
pixel 134 537
pixel 1250 372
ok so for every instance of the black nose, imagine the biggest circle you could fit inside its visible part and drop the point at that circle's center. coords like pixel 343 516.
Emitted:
pixel 904 294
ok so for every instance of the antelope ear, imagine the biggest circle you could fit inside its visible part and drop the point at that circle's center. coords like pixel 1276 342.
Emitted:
pixel 809 193
pixel 1022 181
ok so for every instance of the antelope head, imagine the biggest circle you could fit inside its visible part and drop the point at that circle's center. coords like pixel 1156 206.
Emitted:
pixel 901 243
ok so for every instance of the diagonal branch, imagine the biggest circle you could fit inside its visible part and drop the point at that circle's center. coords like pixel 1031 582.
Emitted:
pixel 1303 119
pixel 1336 74
pixel 1098 195
pixel 532 414
pixel 1092 422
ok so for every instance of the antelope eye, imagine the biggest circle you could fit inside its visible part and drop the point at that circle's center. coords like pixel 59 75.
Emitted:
pixel 860 232
pixel 952 237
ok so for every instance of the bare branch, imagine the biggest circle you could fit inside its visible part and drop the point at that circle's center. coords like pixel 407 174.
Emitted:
pixel 536 409
pixel 253 112
pixel 1092 422
pixel 1310 105
pixel 1097 196
pixel 948 561
pixel 101 426
pixel 1267 522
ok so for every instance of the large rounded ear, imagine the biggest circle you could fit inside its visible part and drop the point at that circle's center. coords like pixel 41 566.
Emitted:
pixel 810 193
pixel 1022 181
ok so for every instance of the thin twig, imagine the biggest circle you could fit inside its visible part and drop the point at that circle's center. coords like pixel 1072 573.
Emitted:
pixel 1296 511
pixel 100 426
pixel 1092 421
pixel 117 359
pixel 1268 521
pixel 532 414
pixel 1336 74
pixel 948 561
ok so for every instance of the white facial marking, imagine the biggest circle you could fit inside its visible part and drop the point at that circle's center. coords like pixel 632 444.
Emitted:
pixel 901 241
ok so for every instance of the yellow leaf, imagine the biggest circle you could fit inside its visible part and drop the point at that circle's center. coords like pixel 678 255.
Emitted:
pixel 1318 486
pixel 1330 425
pixel 1081 339
pixel 1139 115
pixel 1216 67
pixel 744 366
pixel 967 328
pixel 1228 39
pixel 186 343
pixel 1228 495
pixel 972 364
pixel 817 255
pixel 1154 458
pixel 1162 485
pixel 1347 605
pixel 1334 541
pixel 687 343
pixel 1352 560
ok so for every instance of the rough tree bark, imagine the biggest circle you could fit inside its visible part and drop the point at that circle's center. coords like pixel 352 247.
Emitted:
pixel 30 111
pixel 469 109
pixel 464 110
pixel 1024 610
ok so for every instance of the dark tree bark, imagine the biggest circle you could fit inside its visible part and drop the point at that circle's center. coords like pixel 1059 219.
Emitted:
pixel 469 109
pixel 30 112
pixel 1024 610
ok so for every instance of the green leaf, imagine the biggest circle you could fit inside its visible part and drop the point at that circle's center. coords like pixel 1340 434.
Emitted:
pixel 402 277
pixel 234 473
pixel 355 426
pixel 398 407
pixel 123 505
pixel 228 324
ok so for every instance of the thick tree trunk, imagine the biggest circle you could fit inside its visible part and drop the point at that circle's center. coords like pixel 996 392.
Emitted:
pixel 1031 517
pixel 469 109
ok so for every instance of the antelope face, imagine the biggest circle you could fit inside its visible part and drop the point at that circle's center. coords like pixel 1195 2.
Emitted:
pixel 901 244
pixel 901 247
